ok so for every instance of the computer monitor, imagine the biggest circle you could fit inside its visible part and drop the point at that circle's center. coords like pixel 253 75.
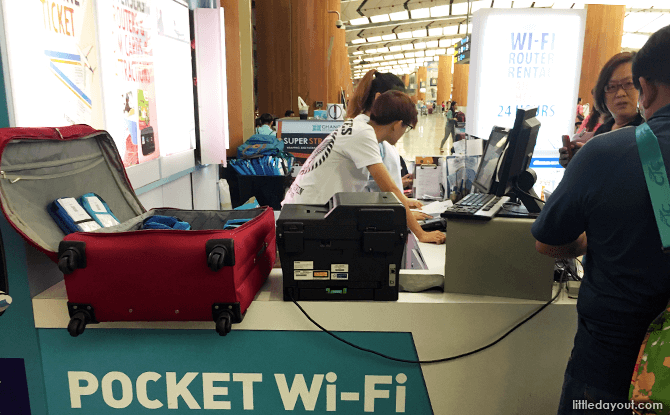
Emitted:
pixel 514 175
pixel 488 167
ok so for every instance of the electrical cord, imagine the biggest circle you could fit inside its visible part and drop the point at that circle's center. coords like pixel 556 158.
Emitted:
pixel 446 359
pixel 527 194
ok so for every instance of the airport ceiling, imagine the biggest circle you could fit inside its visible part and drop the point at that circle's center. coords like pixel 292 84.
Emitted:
pixel 399 35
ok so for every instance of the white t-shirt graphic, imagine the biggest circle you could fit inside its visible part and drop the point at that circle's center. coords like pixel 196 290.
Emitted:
pixel 338 164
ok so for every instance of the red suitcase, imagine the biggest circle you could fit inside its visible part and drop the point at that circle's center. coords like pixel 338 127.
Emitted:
pixel 122 273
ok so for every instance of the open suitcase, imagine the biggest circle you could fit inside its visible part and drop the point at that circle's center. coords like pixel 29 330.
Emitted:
pixel 122 273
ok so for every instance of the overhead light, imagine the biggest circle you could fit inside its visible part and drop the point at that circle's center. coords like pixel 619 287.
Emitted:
pixel 398 56
pixel 357 22
pixel 440 51
pixel 409 55
pixel 405 35
pixel 408 46
pixel 380 18
pixel 392 36
pixel 439 11
pixel 388 57
pixel 357 66
pixel 357 41
pixel 395 48
pixel 420 45
pixel 633 41
pixel 445 43
pixel 382 50
pixel 374 39
pixel 393 62
pixel 377 59
pixel 450 30
pixel 371 51
pixel 418 53
pixel 543 3
pixel 358 52
pixel 403 15
pixel 420 13
pixel 458 9
pixel 420 33
pixel 450 51
pixel 432 44
pixel 430 53
pixel 435 32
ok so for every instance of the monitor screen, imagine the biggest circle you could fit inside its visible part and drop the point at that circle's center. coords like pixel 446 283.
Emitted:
pixel 488 167
pixel 520 145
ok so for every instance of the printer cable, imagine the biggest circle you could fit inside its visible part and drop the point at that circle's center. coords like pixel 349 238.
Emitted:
pixel 445 359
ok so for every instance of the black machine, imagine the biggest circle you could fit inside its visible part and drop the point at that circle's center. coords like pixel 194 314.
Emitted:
pixel 348 249
pixel 504 174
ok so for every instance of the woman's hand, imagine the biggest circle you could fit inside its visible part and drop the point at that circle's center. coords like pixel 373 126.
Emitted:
pixel 564 156
pixel 414 204
pixel 434 237
pixel 421 215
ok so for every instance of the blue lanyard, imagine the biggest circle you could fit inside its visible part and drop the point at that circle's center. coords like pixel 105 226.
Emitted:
pixel 657 180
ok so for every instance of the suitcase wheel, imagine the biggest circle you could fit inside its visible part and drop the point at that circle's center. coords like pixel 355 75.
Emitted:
pixel 71 255
pixel 224 323
pixel 220 253
pixel 78 323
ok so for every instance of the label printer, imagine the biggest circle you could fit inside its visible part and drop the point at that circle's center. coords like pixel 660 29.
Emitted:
pixel 348 249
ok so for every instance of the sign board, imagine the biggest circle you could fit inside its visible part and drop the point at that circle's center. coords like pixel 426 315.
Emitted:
pixel 301 137
pixel 137 372
pixel 526 58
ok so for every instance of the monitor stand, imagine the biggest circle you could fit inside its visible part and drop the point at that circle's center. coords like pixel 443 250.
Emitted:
pixel 524 203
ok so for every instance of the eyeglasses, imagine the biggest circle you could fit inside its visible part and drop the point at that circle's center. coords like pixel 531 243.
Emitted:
pixel 408 127
pixel 613 88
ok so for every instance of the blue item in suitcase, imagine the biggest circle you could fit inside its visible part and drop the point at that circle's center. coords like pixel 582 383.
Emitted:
pixel 95 206
pixel 235 223
pixel 165 222
pixel 70 216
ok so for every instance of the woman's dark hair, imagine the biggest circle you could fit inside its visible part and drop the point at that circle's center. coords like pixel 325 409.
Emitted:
pixel 267 118
pixel 594 117
pixel 652 62
pixel 289 113
pixel 604 77
pixel 392 106
pixel 452 105
pixel 368 87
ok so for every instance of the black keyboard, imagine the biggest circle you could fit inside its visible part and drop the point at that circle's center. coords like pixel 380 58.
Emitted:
pixel 476 206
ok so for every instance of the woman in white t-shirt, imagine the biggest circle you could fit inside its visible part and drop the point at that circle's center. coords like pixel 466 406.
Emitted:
pixel 342 161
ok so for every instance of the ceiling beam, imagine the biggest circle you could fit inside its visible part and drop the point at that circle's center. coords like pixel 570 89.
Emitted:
pixel 351 28
pixel 400 42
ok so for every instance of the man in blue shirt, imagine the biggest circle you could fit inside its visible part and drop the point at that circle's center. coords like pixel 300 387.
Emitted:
pixel 602 209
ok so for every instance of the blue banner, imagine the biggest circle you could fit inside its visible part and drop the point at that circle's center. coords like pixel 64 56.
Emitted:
pixel 543 163
pixel 247 372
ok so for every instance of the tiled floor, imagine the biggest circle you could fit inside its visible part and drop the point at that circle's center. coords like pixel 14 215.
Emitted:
pixel 425 139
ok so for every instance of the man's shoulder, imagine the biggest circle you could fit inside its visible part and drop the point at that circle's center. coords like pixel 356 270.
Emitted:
pixel 613 141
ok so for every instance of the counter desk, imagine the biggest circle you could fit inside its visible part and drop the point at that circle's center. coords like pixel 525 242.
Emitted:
pixel 277 361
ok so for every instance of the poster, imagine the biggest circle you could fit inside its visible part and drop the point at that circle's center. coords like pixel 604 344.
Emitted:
pixel 53 62
pixel 127 35
pixel 526 59
pixel 301 137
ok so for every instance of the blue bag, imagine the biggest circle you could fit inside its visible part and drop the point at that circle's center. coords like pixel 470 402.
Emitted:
pixel 259 145
pixel 98 209
pixel 70 216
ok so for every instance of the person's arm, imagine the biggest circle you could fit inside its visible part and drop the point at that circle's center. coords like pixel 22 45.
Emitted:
pixel 385 183
pixel 571 250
